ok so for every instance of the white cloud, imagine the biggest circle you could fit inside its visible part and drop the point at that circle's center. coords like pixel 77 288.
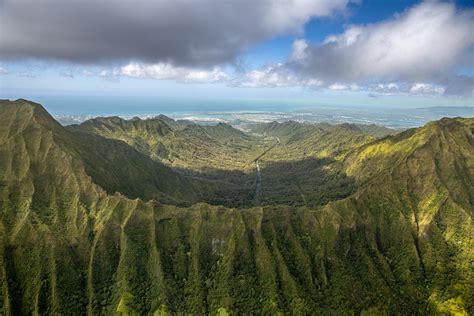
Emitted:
pixel 337 86
pixel 299 50
pixel 170 72
pixel 385 88
pixel 283 16
pixel 271 76
pixel 104 73
pixel 424 44
pixel 426 89
pixel 427 40
pixel 3 71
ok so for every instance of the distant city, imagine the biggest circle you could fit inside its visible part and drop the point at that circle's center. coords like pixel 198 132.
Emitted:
pixel 392 118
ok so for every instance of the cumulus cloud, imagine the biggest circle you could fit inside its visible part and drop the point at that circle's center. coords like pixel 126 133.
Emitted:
pixel 202 33
pixel 299 50
pixel 3 71
pixel 425 41
pixel 386 88
pixel 271 76
pixel 416 51
pixel 426 88
pixel 168 71
pixel 337 86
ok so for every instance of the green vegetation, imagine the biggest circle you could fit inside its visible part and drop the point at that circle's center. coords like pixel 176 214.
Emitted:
pixel 353 219
pixel 299 162
pixel 179 143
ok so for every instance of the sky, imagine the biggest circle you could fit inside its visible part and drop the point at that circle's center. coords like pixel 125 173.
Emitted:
pixel 334 51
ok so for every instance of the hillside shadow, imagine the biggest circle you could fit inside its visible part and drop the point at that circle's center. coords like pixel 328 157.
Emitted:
pixel 310 181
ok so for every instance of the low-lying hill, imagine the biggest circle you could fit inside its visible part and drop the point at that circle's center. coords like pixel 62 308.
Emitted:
pixel 401 243
pixel 301 140
pixel 179 144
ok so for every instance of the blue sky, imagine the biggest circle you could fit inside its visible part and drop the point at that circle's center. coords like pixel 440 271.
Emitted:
pixel 289 56
pixel 316 30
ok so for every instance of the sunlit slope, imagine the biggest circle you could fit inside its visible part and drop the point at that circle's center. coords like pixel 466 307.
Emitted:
pixel 299 140
pixel 180 143
pixel 402 243
pixel 418 187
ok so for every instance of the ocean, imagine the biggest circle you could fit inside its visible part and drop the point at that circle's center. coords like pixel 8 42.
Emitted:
pixel 75 109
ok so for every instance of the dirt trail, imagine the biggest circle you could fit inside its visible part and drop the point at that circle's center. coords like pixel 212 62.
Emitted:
pixel 258 182
pixel 258 185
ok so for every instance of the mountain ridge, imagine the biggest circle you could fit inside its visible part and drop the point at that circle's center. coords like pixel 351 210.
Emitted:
pixel 401 243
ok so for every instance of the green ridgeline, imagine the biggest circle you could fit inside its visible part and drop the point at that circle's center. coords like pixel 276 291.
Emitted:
pixel 401 242
pixel 300 162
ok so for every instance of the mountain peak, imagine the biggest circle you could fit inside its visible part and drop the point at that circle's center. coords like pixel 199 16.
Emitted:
pixel 21 113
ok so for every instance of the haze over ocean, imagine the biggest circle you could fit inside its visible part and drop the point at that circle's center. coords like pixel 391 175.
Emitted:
pixel 106 105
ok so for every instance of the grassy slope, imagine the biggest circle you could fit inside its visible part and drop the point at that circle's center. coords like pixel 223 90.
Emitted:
pixel 217 159
pixel 402 243
pixel 182 145
pixel 112 164
pixel 299 140
pixel 425 177
pixel 300 169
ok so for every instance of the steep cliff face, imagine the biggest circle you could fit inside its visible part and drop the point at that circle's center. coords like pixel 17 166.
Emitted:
pixel 422 182
pixel 51 213
pixel 402 243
